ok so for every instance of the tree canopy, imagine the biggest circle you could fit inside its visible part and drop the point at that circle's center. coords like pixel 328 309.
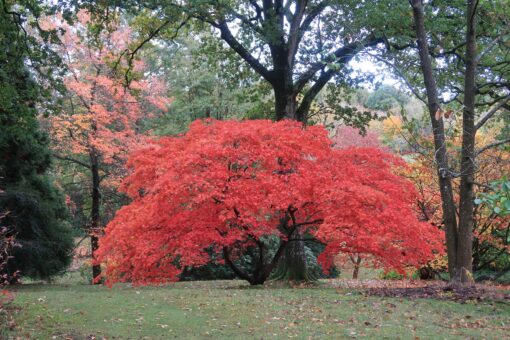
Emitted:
pixel 297 46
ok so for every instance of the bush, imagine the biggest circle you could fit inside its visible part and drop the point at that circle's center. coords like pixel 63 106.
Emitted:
pixel 37 218
pixel 391 275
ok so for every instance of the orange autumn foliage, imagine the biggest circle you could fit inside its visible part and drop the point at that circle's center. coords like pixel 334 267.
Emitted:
pixel 102 116
pixel 489 230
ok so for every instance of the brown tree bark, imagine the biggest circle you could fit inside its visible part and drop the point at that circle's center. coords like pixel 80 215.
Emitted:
pixel 357 263
pixel 459 237
pixel 464 259
pixel 441 156
pixel 95 227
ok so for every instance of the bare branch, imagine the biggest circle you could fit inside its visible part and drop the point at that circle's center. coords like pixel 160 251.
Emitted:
pixel 72 160
pixel 491 112
pixel 226 35
pixel 492 145
pixel 342 55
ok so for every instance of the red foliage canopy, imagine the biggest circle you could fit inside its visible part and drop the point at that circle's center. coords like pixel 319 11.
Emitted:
pixel 228 185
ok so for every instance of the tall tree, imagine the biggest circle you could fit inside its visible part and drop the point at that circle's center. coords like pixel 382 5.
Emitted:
pixel 103 119
pixel 490 231
pixel 462 66
pixel 31 208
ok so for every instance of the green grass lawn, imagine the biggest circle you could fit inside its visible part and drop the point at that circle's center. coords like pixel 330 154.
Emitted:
pixel 231 309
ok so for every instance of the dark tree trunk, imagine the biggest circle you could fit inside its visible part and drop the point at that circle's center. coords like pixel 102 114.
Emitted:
pixel 292 265
pixel 464 258
pixel 443 172
pixel 357 264
pixel 285 105
pixel 262 268
pixel 459 239
pixel 295 262
pixel 285 93
pixel 95 226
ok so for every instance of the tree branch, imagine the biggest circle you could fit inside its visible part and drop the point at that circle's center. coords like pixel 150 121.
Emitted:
pixel 309 223
pixel 342 55
pixel 235 268
pixel 297 28
pixel 70 159
pixel 492 145
pixel 491 112
pixel 227 36
pixel 247 21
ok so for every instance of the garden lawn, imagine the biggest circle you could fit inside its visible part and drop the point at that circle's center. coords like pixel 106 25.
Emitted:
pixel 230 309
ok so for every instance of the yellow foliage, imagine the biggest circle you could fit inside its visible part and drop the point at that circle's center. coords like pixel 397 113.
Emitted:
pixel 392 125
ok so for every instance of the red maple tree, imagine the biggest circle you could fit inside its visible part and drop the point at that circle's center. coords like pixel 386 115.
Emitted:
pixel 230 186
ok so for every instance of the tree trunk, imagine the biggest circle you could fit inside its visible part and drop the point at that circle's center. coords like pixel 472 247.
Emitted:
pixel 464 264
pixel 95 214
pixel 292 265
pixel 441 156
pixel 262 270
pixel 285 105
pixel 356 263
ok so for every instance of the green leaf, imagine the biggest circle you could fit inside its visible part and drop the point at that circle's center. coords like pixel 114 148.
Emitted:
pixel 507 205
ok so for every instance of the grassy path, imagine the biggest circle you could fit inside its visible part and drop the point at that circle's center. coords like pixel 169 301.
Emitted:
pixel 212 310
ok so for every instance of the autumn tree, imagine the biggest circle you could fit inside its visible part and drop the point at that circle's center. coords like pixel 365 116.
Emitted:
pixel 481 74
pixel 231 186
pixel 103 118
pixel 347 136
pixel 490 229
pixel 452 55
